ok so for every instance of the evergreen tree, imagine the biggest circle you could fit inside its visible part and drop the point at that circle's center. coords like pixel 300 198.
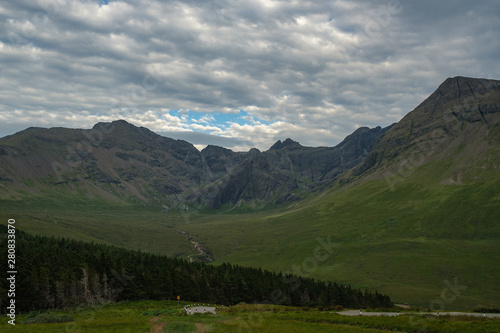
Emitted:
pixel 62 273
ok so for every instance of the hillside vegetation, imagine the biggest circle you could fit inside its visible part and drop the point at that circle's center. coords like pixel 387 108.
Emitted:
pixel 166 317
pixel 60 273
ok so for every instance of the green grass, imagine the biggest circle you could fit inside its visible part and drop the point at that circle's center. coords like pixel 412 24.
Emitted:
pixel 181 326
pixel 128 317
pixel 405 242
pixel 130 226
pixel 44 318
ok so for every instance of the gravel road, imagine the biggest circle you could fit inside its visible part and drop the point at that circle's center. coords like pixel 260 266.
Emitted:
pixel 391 314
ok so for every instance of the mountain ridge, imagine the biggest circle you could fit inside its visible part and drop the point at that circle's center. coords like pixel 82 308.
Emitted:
pixel 123 162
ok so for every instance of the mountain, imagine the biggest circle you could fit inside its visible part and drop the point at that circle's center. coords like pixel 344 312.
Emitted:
pixel 416 218
pixel 113 161
pixel 120 162
pixel 461 118
pixel 287 169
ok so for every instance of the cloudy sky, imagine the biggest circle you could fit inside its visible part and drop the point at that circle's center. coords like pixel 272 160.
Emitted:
pixel 237 73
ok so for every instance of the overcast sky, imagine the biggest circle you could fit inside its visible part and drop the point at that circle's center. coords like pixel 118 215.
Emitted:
pixel 248 71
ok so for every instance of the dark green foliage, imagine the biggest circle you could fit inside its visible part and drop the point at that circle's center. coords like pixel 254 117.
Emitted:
pixel 487 310
pixel 59 273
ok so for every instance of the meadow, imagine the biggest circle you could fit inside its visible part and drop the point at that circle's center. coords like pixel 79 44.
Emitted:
pixel 165 316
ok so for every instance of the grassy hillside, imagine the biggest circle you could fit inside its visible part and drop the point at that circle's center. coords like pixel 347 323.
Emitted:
pixel 130 226
pixel 405 240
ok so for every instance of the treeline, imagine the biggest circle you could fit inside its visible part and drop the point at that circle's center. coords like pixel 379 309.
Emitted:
pixel 58 273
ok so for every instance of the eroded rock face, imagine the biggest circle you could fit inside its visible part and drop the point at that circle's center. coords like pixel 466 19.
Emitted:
pixel 280 174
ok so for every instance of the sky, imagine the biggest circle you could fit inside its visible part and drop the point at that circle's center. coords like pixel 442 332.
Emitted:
pixel 236 73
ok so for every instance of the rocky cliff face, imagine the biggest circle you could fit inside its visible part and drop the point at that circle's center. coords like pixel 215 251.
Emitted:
pixel 220 161
pixel 286 170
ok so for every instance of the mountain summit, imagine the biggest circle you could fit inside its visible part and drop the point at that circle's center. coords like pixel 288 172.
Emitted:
pixel 288 143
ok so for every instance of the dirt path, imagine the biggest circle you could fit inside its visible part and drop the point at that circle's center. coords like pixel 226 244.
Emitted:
pixel 200 328
pixel 157 327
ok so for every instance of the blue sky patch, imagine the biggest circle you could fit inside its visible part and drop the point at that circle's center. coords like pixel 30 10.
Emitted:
pixel 217 119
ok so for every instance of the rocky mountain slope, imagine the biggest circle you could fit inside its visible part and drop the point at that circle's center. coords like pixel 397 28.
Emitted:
pixel 287 169
pixel 458 122
pixel 121 162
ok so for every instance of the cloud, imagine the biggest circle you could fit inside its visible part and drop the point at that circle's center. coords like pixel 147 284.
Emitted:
pixel 253 71
pixel 203 139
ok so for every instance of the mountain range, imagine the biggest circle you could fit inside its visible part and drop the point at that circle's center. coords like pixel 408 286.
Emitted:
pixel 118 161
pixel 408 210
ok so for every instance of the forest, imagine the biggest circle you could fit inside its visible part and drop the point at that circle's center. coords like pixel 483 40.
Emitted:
pixel 60 273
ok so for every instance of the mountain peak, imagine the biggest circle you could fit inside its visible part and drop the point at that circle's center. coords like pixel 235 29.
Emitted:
pixel 119 124
pixel 213 149
pixel 461 87
pixel 123 129
pixel 287 143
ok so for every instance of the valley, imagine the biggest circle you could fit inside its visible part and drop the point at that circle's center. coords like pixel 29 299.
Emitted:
pixel 410 210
